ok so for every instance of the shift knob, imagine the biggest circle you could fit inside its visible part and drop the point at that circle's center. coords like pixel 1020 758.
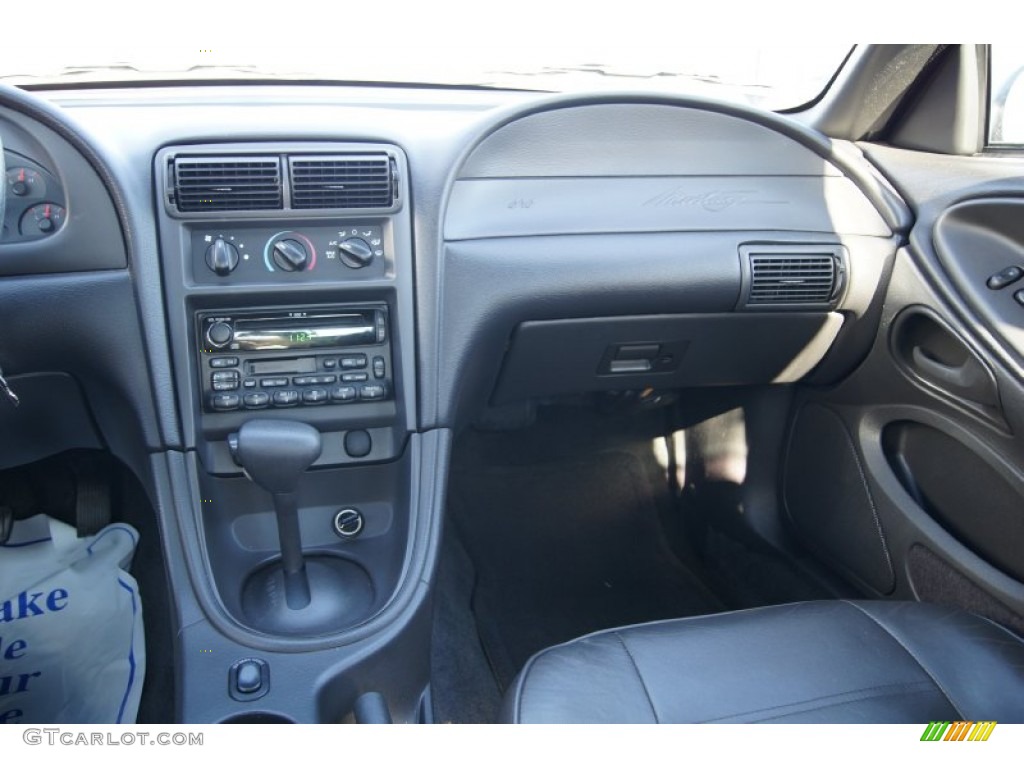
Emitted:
pixel 319 595
pixel 274 454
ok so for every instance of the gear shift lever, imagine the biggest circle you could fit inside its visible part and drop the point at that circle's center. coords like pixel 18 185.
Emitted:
pixel 274 454
pixel 322 592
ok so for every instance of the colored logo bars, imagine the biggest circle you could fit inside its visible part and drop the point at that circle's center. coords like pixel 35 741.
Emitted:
pixel 958 731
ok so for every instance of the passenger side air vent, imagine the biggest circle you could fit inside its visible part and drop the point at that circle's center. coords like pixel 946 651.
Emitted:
pixel 233 183
pixel 797 277
pixel 342 181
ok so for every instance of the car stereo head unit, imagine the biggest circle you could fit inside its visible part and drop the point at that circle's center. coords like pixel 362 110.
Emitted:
pixel 293 330
pixel 293 357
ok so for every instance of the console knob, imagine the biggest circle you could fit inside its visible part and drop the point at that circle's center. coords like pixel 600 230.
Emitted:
pixel 219 334
pixel 290 255
pixel 222 257
pixel 355 252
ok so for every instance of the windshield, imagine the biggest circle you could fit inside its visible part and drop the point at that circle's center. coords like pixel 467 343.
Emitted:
pixel 769 77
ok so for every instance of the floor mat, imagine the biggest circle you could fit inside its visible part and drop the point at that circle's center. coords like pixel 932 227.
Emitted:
pixel 566 549
pixel 463 688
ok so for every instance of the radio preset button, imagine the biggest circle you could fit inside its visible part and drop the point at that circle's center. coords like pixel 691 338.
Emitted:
pixel 314 396
pixel 378 368
pixel 274 382
pixel 330 364
pixel 353 361
pixel 343 394
pixel 249 383
pixel 256 400
pixel 302 381
pixel 372 392
pixel 223 362
pixel 323 379
pixel 224 402
pixel 286 397
pixel 351 377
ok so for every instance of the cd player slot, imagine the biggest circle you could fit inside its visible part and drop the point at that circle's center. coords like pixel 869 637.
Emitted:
pixel 302 333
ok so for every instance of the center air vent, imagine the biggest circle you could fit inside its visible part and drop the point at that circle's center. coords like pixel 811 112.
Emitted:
pixel 792 276
pixel 342 181
pixel 237 183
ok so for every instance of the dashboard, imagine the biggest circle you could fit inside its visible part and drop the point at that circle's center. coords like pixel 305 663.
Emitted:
pixel 387 265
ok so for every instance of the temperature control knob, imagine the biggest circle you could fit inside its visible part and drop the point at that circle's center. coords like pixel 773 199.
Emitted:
pixel 222 257
pixel 355 252
pixel 290 255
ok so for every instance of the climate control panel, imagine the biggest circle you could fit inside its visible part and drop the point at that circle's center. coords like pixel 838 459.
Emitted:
pixel 258 254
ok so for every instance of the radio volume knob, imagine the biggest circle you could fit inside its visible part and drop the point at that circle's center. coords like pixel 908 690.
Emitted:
pixel 355 252
pixel 219 334
pixel 222 257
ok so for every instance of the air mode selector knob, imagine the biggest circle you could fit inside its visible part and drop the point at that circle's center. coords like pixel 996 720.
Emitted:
pixel 290 255
pixel 219 334
pixel 355 252
pixel 222 257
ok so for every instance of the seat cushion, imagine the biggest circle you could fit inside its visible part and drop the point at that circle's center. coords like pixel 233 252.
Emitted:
pixel 815 662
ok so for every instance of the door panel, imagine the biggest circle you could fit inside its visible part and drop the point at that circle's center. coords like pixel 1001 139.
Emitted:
pixel 923 461
pixel 976 242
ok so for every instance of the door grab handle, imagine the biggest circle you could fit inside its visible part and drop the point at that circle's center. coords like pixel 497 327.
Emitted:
pixel 968 380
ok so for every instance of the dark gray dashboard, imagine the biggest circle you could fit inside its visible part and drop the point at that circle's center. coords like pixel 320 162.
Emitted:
pixel 637 195
pixel 535 248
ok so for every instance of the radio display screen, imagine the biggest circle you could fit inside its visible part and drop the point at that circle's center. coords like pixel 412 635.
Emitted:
pixel 302 333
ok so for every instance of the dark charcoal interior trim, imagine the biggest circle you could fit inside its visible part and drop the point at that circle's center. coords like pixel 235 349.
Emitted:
pixel 562 321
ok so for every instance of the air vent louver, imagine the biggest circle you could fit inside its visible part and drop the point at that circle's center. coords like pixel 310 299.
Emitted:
pixel 237 183
pixel 343 181
pixel 793 278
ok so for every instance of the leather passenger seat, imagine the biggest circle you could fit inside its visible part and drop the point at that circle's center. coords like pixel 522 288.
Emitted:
pixel 815 662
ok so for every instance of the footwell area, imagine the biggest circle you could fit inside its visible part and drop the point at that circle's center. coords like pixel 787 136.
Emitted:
pixel 566 549
pixel 573 525
pixel 53 486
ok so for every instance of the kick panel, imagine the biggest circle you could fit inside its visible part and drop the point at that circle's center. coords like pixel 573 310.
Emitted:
pixel 830 503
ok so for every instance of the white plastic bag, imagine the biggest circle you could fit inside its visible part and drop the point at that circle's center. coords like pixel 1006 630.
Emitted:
pixel 72 648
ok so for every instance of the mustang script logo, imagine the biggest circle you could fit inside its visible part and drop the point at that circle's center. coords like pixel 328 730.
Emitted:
pixel 709 201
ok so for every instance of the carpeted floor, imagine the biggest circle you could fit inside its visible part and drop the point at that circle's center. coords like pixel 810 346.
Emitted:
pixel 569 526
pixel 565 549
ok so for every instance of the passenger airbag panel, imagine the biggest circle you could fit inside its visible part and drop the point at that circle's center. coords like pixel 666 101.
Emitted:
pixel 482 208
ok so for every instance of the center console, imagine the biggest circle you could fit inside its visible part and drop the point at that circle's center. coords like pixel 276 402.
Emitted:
pixel 288 283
